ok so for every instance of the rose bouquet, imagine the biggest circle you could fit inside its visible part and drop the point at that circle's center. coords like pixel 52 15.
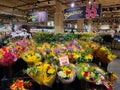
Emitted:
pixel 6 57
pixel 66 74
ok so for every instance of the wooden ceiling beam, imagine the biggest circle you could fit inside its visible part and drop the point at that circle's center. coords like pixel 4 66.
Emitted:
pixel 32 3
pixel 41 7
pixel 11 7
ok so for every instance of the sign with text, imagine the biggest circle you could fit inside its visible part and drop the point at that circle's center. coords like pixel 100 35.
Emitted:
pixel 92 11
pixel 64 60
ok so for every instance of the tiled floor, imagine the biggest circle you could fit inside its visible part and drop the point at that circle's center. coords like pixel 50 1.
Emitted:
pixel 114 66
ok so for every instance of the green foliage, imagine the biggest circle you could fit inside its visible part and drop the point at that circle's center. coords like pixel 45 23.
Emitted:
pixel 50 37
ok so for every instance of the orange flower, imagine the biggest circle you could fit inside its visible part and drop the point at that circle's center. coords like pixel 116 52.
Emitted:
pixel 19 83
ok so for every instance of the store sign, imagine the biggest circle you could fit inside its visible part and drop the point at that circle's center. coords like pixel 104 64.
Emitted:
pixel 37 17
pixel 64 60
pixel 82 12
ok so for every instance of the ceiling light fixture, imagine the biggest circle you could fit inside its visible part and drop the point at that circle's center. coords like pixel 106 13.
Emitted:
pixel 72 4
pixel 90 2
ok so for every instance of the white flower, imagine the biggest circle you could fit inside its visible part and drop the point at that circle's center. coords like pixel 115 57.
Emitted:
pixel 62 74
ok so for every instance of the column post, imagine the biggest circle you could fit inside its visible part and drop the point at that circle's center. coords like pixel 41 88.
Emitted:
pixel 59 27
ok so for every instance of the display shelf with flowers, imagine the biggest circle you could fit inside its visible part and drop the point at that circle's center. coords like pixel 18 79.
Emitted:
pixel 66 74
pixel 43 37
pixel 47 54
pixel 20 84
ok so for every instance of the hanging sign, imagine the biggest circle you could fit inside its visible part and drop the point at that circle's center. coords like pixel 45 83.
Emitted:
pixel 64 60
pixel 92 11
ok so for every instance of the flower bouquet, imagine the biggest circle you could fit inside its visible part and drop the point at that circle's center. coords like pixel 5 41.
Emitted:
pixel 85 56
pixel 104 55
pixel 49 74
pixel 91 74
pixel 66 74
pixel 36 73
pixel 6 57
pixel 82 70
pixel 112 77
pixel 31 56
pixel 21 85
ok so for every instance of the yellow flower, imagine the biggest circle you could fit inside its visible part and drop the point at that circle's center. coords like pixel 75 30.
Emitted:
pixel 111 57
pixel 103 48
pixel 89 56
pixel 82 50
pixel 46 45
pixel 82 73
pixel 76 56
pixel 32 40
pixel 69 75
pixel 39 48
pixel 51 71
pixel 52 54
pixel 87 78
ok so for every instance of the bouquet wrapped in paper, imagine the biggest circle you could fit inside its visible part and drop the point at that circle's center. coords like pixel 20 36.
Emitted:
pixel 43 74
pixel 31 56
pixel 82 70
pixel 36 73
pixel 49 74
pixel 91 74
pixel 66 74
pixel 104 54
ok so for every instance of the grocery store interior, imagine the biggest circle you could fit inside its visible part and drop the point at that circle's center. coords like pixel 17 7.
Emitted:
pixel 59 44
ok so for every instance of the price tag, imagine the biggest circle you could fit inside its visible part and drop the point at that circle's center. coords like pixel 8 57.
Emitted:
pixel 64 60
pixel 106 84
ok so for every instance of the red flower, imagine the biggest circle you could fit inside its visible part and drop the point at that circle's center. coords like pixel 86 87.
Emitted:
pixel 68 72
pixel 86 74
pixel 19 84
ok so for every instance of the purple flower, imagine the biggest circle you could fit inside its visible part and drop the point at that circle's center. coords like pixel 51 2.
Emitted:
pixel 55 51
pixel 61 39
pixel 70 49
pixel 78 47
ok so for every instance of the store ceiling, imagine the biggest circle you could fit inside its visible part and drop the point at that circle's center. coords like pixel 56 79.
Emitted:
pixel 19 8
